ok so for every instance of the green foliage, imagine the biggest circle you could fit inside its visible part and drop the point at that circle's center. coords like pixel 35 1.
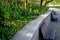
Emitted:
pixel 13 16
pixel 55 2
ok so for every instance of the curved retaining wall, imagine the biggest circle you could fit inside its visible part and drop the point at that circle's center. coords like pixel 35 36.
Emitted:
pixel 31 30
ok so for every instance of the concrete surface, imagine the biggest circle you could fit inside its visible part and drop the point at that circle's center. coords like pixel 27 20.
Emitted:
pixel 57 28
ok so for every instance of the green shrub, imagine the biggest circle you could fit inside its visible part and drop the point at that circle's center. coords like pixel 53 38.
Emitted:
pixel 13 16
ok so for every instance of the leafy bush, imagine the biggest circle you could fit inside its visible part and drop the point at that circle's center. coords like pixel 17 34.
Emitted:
pixel 13 16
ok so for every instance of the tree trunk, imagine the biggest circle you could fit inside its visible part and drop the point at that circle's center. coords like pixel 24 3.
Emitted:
pixel 41 3
pixel 47 2
pixel 25 4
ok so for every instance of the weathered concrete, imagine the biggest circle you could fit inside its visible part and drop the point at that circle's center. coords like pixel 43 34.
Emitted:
pixel 52 30
pixel 31 30
pixel 44 28
pixel 56 27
